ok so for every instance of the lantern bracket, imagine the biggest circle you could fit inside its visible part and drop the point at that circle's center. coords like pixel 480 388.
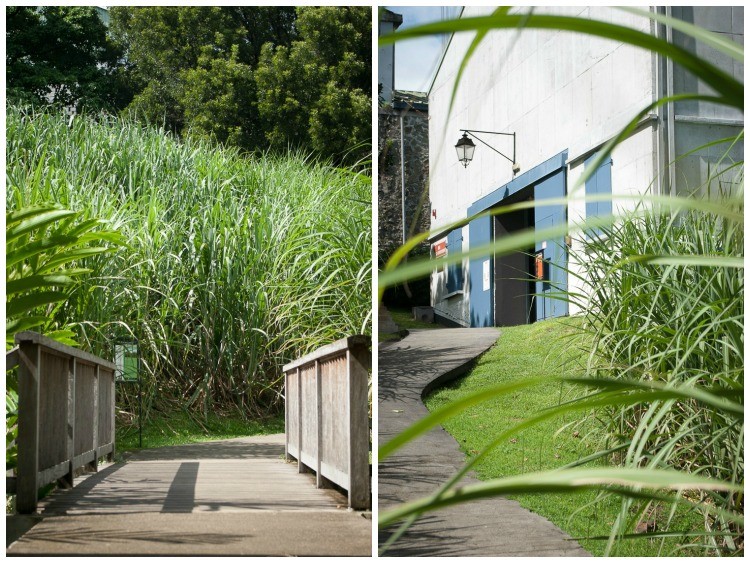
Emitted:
pixel 473 132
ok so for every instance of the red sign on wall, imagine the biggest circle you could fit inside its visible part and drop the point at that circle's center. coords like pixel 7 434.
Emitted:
pixel 441 249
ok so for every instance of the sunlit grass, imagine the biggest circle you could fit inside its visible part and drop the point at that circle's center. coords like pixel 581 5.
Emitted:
pixel 547 349
pixel 234 264
pixel 178 428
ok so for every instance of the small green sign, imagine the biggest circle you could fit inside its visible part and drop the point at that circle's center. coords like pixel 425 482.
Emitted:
pixel 126 360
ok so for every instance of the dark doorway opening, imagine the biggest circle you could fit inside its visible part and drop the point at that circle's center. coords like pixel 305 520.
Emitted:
pixel 514 283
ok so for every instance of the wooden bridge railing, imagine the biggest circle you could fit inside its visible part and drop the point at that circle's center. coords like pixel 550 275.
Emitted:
pixel 327 428
pixel 66 413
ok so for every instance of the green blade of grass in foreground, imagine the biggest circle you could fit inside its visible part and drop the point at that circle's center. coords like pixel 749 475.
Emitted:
pixel 567 480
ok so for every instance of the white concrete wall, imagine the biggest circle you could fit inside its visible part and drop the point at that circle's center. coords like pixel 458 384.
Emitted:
pixel 557 91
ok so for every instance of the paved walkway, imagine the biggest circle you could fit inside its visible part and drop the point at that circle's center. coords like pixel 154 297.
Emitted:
pixel 230 497
pixel 493 527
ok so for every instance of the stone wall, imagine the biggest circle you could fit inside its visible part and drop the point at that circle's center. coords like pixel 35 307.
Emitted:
pixel 416 172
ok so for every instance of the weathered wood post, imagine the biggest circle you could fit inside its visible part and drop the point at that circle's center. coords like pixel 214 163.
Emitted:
pixel 29 366
pixel 358 365
pixel 319 426
pixel 64 409
pixel 70 420
pixel 326 413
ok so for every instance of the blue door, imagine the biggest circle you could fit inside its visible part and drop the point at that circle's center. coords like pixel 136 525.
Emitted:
pixel 548 180
pixel 480 292
pixel 553 250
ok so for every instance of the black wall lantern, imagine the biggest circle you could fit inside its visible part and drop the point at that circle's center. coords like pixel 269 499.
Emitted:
pixel 465 147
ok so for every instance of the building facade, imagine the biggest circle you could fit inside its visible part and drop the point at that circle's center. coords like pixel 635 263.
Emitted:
pixel 563 95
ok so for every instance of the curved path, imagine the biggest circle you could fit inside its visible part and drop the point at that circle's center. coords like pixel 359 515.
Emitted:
pixel 228 497
pixel 407 370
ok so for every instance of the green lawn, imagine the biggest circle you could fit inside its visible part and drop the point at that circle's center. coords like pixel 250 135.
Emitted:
pixel 404 319
pixel 178 428
pixel 542 349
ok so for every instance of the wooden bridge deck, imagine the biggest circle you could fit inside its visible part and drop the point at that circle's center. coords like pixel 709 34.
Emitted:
pixel 231 497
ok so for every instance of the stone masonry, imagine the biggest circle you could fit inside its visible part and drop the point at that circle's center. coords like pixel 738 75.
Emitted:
pixel 416 171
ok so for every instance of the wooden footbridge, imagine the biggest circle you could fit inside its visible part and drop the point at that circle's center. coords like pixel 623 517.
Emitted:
pixel 265 495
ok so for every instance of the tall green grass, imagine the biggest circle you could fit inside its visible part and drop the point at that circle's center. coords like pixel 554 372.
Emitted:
pixel 676 324
pixel 232 264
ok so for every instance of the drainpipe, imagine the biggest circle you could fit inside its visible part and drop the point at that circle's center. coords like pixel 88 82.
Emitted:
pixel 403 184
pixel 403 200
pixel 670 116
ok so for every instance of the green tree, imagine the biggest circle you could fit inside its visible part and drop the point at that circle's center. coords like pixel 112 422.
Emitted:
pixel 192 66
pixel 61 54
pixel 315 94
pixel 218 99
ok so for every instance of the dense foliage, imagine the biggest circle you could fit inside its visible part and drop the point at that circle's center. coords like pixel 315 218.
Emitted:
pixel 320 84
pixel 42 246
pixel 253 77
pixel 192 66
pixel 62 55
pixel 674 323
pixel 229 267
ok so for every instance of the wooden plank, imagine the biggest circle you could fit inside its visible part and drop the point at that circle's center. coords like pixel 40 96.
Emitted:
pixel 84 459
pixel 286 417
pixel 106 449
pixel 335 475
pixel 10 485
pixel 90 456
pixel 111 407
pixel 53 404
pixel 94 414
pixel 318 430
pixel 28 426
pixel 84 400
pixel 11 358
pixel 53 473
pixel 71 421
pixel 334 421
pixel 300 465
pixel 54 345
pixel 308 415
pixel 291 409
pixel 324 352
pixel 223 481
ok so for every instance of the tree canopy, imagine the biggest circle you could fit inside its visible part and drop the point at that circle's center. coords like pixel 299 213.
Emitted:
pixel 251 76
pixel 61 55
pixel 316 92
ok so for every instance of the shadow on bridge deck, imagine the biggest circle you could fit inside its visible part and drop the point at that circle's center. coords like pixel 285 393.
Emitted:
pixel 231 497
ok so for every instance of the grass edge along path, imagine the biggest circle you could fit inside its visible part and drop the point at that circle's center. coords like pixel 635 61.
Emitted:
pixel 545 349
pixel 178 428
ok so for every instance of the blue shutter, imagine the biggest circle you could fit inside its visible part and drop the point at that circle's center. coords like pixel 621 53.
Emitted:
pixel 455 281
pixel 480 301
pixel 555 250
pixel 592 188
pixel 599 183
